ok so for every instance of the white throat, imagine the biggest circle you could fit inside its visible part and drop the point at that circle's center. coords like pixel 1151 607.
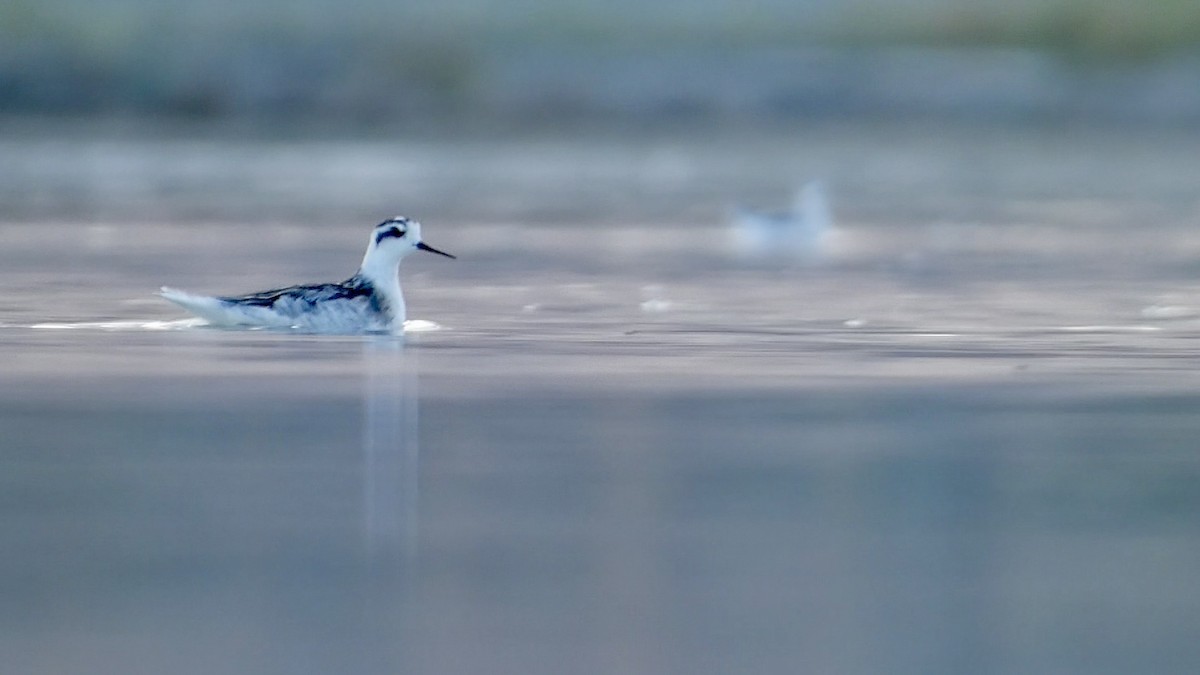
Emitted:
pixel 383 271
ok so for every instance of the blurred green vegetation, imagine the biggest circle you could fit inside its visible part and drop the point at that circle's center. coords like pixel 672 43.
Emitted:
pixel 1106 30
pixel 373 57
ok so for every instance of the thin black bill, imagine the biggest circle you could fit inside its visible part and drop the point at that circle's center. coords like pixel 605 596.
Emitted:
pixel 426 247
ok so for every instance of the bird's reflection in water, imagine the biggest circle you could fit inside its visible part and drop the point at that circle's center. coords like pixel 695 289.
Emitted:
pixel 390 452
pixel 390 494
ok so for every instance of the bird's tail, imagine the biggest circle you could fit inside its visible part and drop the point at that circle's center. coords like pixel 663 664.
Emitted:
pixel 203 306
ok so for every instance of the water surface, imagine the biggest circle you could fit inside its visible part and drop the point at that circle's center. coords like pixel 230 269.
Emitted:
pixel 962 440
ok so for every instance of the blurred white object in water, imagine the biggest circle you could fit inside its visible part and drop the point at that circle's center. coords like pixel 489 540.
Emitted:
pixel 1168 312
pixel 654 300
pixel 803 232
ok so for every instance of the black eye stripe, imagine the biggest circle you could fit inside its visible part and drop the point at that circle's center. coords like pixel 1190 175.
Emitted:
pixel 390 232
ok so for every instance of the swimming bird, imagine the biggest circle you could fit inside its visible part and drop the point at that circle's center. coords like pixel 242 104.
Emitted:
pixel 802 232
pixel 368 302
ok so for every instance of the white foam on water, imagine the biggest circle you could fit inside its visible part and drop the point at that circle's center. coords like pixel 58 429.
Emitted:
pixel 421 326
pixel 178 324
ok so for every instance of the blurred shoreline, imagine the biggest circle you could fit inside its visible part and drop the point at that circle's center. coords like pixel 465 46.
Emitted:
pixel 539 88
pixel 471 65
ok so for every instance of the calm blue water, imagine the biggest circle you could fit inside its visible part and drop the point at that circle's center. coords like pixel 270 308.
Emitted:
pixel 961 441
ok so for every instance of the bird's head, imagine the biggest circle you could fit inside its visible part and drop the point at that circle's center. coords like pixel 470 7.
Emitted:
pixel 391 240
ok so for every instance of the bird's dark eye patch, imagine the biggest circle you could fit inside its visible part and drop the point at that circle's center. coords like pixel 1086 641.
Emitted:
pixel 397 232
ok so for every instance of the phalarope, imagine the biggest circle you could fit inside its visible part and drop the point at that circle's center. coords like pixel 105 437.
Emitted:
pixel 802 232
pixel 368 302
